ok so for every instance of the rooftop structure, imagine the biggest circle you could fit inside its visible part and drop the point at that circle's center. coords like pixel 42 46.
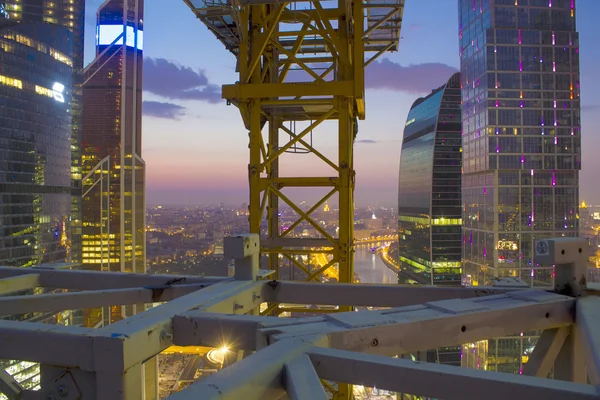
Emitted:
pixel 293 355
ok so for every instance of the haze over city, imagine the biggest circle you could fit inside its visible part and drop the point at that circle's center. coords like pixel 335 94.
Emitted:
pixel 189 131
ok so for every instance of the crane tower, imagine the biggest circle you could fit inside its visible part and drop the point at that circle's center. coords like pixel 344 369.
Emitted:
pixel 300 64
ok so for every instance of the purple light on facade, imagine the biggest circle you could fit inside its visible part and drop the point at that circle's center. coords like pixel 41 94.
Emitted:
pixel 550 4
pixel 572 132
pixel 485 251
pixel 520 37
pixel 553 66
pixel 497 131
pixel 521 104
pixel 565 105
pixel 471 238
pixel 496 103
pixel 520 65
pixel 555 140
pixel 484 191
pixel 553 178
pixel 553 39
pixel 554 103
pixel 572 4
pixel 522 159
pixel 531 172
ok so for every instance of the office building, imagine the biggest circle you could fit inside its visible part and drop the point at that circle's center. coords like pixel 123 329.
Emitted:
pixel 35 156
pixel 521 147
pixel 521 133
pixel 69 14
pixel 429 188
pixel 113 183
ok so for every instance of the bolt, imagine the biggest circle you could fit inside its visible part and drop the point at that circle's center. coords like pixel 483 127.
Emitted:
pixel 374 343
pixel 62 390
pixel 51 396
pixel 255 296
pixel 166 336
pixel 237 306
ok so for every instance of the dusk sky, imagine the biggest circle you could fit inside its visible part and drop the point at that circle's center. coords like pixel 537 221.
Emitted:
pixel 196 147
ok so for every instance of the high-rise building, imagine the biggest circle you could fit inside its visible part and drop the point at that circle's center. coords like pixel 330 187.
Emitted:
pixel 521 133
pixel 429 188
pixel 69 14
pixel 35 156
pixel 113 169
pixel 521 147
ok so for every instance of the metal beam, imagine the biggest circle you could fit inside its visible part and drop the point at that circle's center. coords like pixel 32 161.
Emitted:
pixel 10 387
pixel 370 294
pixel 438 324
pixel 56 302
pixel 147 334
pixel 440 381
pixel 302 381
pixel 541 361
pixel 19 283
pixel 47 344
pixel 588 321
pixel 257 377
pixel 96 280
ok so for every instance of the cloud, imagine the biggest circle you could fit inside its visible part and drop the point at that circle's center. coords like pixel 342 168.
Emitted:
pixel 592 107
pixel 158 109
pixel 414 78
pixel 366 141
pixel 173 81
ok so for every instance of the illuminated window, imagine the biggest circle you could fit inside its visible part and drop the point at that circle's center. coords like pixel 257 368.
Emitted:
pixel 5 80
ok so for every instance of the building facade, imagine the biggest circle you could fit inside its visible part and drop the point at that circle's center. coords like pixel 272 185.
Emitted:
pixel 521 148
pixel 429 188
pixel 521 133
pixel 35 156
pixel 69 14
pixel 113 168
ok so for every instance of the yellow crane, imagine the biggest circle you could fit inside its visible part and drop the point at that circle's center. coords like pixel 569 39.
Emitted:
pixel 301 63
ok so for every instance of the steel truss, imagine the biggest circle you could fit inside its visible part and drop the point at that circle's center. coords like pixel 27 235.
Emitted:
pixel 295 355
pixel 326 42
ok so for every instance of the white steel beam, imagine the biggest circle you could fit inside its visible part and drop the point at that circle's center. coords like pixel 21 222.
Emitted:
pixel 195 328
pixel 19 283
pixel 440 381
pixel 438 324
pixel 47 344
pixel 147 334
pixel 56 302
pixel 8 386
pixel 588 321
pixel 97 280
pixel 302 381
pixel 257 377
pixel 370 295
pixel 541 361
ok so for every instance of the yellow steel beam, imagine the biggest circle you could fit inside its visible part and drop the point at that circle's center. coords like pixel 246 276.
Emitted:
pixel 249 91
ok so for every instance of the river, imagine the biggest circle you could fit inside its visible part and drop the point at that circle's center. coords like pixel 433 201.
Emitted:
pixel 371 269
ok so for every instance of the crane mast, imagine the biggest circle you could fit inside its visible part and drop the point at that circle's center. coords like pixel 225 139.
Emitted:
pixel 301 68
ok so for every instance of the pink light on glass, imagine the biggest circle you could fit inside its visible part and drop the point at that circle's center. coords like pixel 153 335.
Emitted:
pixel 572 4
pixel 554 103
pixel 553 66
pixel 550 3
pixel 521 104
pixel 553 39
pixel 531 172
pixel 496 103
pixel 522 159
pixel 520 37
pixel 521 66
pixel 553 178
pixel 497 151
pixel 555 140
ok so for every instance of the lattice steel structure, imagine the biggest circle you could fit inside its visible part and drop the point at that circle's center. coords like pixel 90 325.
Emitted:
pixel 303 357
pixel 329 42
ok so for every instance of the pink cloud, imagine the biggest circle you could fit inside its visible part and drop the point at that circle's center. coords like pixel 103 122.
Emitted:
pixel 414 78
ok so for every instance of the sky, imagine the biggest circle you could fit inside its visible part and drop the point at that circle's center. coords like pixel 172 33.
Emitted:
pixel 196 147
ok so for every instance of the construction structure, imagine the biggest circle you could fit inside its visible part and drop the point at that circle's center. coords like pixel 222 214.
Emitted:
pixel 303 357
pixel 300 64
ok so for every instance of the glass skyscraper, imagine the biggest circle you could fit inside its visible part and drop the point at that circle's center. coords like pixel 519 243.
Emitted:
pixel 521 147
pixel 521 133
pixel 69 14
pixel 429 188
pixel 35 156
pixel 113 168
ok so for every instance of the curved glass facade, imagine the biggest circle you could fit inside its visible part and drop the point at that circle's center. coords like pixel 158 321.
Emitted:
pixel 35 143
pixel 429 188
pixel 522 142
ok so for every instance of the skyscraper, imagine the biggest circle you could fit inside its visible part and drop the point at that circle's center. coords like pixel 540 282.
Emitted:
pixel 35 156
pixel 521 133
pixel 113 183
pixel 69 14
pixel 429 188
